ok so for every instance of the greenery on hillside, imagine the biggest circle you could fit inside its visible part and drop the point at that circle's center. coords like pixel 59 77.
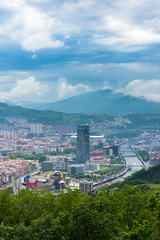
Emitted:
pixel 145 119
pixel 140 122
pixel 150 175
pixel 144 176
pixel 50 117
pixel 132 213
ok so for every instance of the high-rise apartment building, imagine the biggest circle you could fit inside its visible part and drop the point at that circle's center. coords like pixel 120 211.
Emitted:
pixel 36 128
pixel 83 144
pixel 86 186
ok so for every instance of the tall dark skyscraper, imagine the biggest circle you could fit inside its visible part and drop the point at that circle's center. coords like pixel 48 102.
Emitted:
pixel 83 144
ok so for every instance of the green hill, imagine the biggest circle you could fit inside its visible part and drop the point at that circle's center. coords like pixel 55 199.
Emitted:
pixel 144 176
pixel 150 175
pixel 47 116
pixel 52 118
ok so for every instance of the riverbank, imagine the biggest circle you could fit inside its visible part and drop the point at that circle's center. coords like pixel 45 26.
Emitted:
pixel 110 178
pixel 134 161
pixel 138 155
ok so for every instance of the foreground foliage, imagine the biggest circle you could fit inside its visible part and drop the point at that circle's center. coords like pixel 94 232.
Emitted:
pixel 129 213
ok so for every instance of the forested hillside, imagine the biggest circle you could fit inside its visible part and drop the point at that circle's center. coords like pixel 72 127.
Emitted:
pixel 129 213
pixel 48 117
pixel 144 176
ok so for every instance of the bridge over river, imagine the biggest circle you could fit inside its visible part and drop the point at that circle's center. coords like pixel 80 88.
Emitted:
pixel 132 161
pixel 133 164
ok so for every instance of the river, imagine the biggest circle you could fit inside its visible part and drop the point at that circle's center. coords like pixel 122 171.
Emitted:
pixel 131 159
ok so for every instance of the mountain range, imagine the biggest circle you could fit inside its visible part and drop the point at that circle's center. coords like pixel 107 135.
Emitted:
pixel 8 113
pixel 100 101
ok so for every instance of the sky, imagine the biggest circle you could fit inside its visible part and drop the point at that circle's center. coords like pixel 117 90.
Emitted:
pixel 54 49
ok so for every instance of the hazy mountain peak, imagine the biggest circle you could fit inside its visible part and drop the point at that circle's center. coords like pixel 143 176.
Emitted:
pixel 100 101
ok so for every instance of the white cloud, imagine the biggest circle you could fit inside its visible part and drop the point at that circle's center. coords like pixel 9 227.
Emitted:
pixel 147 89
pixel 31 27
pixel 126 35
pixel 25 90
pixel 124 25
pixel 66 90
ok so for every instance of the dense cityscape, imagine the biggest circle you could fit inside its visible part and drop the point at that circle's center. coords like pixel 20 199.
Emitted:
pixel 50 171
pixel 63 156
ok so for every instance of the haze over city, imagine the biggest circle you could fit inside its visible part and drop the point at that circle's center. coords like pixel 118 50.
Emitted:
pixel 52 50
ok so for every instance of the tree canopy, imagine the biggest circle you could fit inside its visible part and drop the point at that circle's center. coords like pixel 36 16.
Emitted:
pixel 127 214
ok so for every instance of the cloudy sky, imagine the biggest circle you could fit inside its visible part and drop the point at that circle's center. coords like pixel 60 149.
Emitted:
pixel 54 49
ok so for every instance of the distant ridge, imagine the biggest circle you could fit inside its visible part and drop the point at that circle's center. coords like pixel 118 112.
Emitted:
pixel 101 101
pixel 47 116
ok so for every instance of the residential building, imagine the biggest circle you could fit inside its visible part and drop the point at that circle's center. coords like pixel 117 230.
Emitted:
pixel 36 128
pixel 85 186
